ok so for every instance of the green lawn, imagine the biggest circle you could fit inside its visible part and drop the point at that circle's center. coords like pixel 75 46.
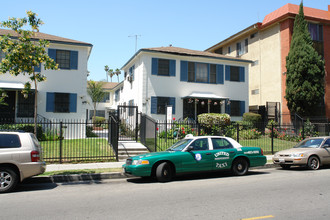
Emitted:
pixel 77 150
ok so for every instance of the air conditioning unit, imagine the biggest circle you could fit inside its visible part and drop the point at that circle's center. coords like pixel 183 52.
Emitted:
pixel 130 79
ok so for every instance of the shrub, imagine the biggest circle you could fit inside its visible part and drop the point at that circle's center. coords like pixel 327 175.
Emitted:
pixel 209 119
pixel 251 117
pixel 24 127
pixel 98 120
pixel 89 132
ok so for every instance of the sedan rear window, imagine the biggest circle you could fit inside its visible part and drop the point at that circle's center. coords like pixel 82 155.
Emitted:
pixel 9 141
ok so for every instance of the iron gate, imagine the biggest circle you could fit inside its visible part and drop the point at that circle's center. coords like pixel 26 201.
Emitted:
pixel 128 123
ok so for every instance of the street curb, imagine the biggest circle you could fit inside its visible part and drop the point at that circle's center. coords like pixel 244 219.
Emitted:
pixel 71 178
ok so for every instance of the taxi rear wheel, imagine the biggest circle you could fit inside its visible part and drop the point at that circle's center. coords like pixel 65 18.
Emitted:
pixel 240 167
pixel 164 172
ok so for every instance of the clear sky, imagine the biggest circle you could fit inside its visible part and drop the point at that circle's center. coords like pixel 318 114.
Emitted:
pixel 107 24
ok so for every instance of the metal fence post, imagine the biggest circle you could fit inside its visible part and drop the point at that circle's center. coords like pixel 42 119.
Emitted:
pixel 237 130
pixel 272 145
pixel 61 141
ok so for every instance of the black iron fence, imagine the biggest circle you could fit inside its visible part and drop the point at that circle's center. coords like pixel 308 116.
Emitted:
pixel 271 137
pixel 69 141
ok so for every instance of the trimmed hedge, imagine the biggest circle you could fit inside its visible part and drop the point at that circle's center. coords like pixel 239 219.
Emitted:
pixel 24 127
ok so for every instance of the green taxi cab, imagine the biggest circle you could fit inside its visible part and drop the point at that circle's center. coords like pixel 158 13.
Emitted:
pixel 196 154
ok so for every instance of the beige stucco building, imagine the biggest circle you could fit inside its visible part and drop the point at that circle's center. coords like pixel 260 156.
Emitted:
pixel 267 44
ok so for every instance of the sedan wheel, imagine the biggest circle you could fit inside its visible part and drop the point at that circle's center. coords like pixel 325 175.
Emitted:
pixel 164 172
pixel 313 163
pixel 8 179
pixel 240 167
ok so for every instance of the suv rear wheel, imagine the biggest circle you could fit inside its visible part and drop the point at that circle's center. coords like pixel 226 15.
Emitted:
pixel 8 179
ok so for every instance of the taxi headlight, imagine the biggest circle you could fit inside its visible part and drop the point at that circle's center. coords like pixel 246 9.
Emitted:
pixel 140 162
pixel 297 155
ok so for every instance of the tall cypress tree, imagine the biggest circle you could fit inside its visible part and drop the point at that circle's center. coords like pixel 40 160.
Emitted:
pixel 305 71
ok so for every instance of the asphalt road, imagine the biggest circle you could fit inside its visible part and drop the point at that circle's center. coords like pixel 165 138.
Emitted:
pixel 265 193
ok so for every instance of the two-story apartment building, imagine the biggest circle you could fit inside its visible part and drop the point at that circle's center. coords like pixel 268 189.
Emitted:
pixel 63 95
pixel 267 44
pixel 192 82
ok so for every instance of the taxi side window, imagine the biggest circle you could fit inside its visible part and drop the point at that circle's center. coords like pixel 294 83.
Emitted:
pixel 220 143
pixel 200 144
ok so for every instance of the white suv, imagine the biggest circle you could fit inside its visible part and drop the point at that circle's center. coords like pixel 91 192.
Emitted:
pixel 20 158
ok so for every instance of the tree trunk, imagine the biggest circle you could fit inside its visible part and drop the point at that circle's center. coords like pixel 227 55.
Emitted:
pixel 35 104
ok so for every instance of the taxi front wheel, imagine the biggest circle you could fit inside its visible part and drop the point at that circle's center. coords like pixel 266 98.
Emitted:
pixel 240 167
pixel 164 172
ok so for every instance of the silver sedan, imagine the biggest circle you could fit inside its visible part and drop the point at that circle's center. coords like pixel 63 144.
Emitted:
pixel 311 152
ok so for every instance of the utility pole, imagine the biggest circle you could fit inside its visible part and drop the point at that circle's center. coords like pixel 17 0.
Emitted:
pixel 136 38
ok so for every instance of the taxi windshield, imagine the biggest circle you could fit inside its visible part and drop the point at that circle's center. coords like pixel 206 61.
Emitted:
pixel 180 145
pixel 310 143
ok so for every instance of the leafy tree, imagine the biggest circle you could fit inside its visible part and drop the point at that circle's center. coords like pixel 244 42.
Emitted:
pixel 96 92
pixel 23 53
pixel 305 71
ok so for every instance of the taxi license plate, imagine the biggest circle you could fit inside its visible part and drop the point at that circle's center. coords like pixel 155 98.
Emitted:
pixel 281 160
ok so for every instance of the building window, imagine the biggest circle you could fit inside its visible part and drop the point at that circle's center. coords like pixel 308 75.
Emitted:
pixel 106 97
pixel 201 72
pixel 61 102
pixel 191 72
pixel 316 32
pixel 229 50
pixel 218 51
pixel 255 92
pixel 63 59
pixel 235 73
pixel 158 104
pixel 117 95
pixel 98 113
pixel 66 59
pixel 240 49
pixel 163 67
pixel 213 73
pixel 253 35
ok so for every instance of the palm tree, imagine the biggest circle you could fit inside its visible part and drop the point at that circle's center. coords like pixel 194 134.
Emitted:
pixel 106 68
pixel 96 92
pixel 111 73
pixel 117 72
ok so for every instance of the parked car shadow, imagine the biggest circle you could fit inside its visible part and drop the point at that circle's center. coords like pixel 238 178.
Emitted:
pixel 195 176
pixel 27 187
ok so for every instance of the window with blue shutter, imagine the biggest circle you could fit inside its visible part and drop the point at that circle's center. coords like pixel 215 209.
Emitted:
pixel 74 60
pixel 61 102
pixel 66 59
pixel 241 74
pixel 154 66
pixel 184 71
pixel 159 103
pixel 163 67
pixel 50 102
pixel 37 69
pixel 242 108
pixel 73 102
pixel 234 73
pixel 220 74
